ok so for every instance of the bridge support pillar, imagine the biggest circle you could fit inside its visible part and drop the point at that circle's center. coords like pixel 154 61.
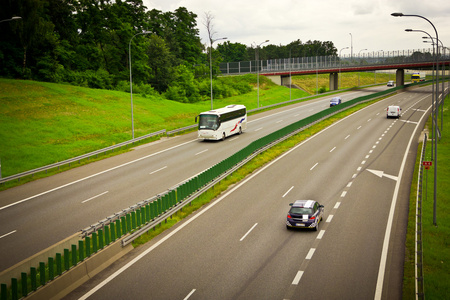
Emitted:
pixel 400 77
pixel 334 81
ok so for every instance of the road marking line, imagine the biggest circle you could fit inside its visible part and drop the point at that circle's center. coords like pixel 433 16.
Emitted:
pixel 92 198
pixel 201 152
pixel 358 127
pixel 158 170
pixel 310 253
pixel 314 166
pixel 245 235
pixel 332 149
pixel 343 194
pixel 8 234
pixel 336 206
pixel 259 129
pixel 320 235
pixel 297 278
pixel 288 191
pixel 350 184
pixel 190 294
pixel 94 175
pixel 279 121
pixel 330 217
pixel 347 137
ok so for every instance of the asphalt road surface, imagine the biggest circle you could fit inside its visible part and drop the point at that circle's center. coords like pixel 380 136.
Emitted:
pixel 238 246
pixel 39 214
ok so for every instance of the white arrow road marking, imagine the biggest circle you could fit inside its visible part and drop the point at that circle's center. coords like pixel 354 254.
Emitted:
pixel 381 174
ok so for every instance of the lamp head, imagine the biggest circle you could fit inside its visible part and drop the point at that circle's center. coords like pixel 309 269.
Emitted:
pixel 397 14
pixel 408 30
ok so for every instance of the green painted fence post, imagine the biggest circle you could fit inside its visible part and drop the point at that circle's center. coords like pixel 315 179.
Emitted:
pixel 107 235
pixel 58 264
pixel 100 239
pixel 128 216
pixel 113 232
pixel 94 242
pixel 33 278
pixel 133 220
pixel 123 220
pixel 147 213
pixel 81 250
pixel 119 234
pixel 66 259
pixel 74 255
pixel 4 292
pixel 42 273
pixel 88 246
pixel 51 268
pixel 24 284
pixel 138 218
pixel 14 291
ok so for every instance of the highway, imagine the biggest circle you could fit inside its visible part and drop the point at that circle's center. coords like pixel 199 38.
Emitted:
pixel 39 214
pixel 238 247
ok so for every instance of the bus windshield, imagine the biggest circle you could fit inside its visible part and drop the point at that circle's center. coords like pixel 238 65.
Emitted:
pixel 208 122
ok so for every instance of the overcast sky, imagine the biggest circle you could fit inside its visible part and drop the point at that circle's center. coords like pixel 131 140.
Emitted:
pixel 282 21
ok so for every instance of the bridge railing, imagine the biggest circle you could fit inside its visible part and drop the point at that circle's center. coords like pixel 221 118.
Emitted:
pixel 326 62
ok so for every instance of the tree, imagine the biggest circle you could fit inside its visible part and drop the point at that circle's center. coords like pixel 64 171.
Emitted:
pixel 232 52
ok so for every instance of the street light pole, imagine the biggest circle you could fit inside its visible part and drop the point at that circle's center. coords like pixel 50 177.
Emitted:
pixel 12 19
pixel 257 66
pixel 435 117
pixel 131 81
pixel 351 45
pixel 340 65
pixel 360 62
pixel 211 41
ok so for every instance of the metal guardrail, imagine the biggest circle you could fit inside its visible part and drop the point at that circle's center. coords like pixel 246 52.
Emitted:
pixel 418 256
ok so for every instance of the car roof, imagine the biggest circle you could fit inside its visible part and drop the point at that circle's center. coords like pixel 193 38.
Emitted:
pixel 304 203
pixel 336 98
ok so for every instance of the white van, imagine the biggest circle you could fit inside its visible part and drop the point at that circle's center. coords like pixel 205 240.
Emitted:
pixel 393 111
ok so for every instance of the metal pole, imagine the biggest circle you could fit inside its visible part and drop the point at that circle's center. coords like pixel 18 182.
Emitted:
pixel 210 67
pixel 257 66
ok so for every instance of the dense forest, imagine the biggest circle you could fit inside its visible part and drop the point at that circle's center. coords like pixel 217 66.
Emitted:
pixel 88 43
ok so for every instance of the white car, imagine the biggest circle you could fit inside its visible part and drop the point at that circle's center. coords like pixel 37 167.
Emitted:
pixel 390 83
pixel 393 111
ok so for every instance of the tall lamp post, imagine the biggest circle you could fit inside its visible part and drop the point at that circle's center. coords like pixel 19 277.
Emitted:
pixel 435 116
pixel 257 65
pixel 360 61
pixel 12 19
pixel 340 65
pixel 211 41
pixel 351 45
pixel 131 81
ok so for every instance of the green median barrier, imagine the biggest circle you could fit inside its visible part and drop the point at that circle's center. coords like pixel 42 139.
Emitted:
pixel 74 257
pixel 94 242
pixel 100 239
pixel 66 259
pixel 24 284
pixel 88 246
pixel 113 231
pixel 133 220
pixel 138 218
pixel 81 250
pixel 14 289
pixel 118 231
pixel 42 273
pixel 3 291
pixel 128 219
pixel 51 269
pixel 58 259
pixel 123 221
pixel 107 235
pixel 33 278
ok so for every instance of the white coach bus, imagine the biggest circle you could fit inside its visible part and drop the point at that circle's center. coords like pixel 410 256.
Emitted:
pixel 219 123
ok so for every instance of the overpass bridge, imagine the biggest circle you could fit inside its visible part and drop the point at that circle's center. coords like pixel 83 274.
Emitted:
pixel 280 70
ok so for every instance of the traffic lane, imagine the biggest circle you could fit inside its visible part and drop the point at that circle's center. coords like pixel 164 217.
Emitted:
pixel 282 214
pixel 354 271
pixel 211 255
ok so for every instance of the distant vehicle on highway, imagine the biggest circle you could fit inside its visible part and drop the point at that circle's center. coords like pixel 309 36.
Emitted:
pixel 304 214
pixel 335 101
pixel 393 111
pixel 390 83
pixel 417 77
pixel 219 123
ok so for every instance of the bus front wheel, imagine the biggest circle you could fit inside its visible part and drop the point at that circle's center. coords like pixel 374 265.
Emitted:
pixel 223 137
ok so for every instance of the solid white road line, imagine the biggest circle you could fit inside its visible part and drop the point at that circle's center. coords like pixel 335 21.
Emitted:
pixel 158 170
pixel 313 166
pixel 287 191
pixel 201 152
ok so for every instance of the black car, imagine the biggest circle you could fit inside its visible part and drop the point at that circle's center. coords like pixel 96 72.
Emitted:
pixel 304 214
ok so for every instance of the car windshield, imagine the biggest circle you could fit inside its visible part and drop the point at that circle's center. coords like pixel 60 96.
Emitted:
pixel 301 211
pixel 208 122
